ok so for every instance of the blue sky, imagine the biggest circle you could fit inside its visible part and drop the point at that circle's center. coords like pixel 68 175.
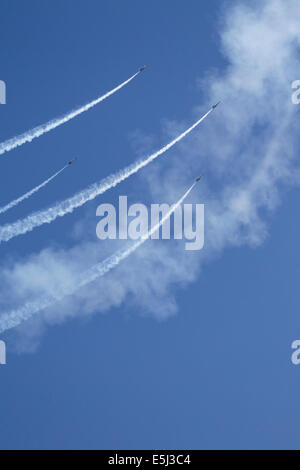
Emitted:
pixel 184 349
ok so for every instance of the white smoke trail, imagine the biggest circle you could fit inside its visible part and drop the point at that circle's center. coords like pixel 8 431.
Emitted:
pixel 67 206
pixel 15 317
pixel 31 192
pixel 43 128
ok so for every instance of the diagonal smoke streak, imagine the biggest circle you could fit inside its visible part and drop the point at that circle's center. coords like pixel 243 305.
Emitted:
pixel 17 201
pixel 15 317
pixel 67 206
pixel 28 136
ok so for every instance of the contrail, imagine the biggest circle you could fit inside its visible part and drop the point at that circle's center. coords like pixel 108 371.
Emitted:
pixel 67 206
pixel 30 193
pixel 28 136
pixel 13 318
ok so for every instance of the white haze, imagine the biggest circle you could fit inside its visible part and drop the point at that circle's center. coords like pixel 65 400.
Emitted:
pixel 13 318
pixel 248 151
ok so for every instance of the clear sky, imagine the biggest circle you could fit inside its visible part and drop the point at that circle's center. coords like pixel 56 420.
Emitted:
pixel 174 349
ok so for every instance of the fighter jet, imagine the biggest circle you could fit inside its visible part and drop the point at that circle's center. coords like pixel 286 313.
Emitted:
pixel 215 105
pixel 143 68
pixel 198 179
pixel 72 161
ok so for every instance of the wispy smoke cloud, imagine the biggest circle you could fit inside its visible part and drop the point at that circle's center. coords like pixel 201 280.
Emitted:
pixel 13 318
pixel 249 152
